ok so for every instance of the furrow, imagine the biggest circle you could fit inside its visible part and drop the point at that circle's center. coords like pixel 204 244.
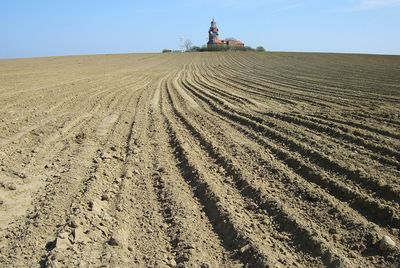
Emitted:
pixel 383 215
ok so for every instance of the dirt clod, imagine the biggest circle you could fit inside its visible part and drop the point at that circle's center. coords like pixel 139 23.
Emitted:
pixel 105 156
pixel 387 244
pixel 128 174
pixel 79 138
pixel 205 265
pixel 113 241
pixel 245 248
pixel 72 222
pixel 105 197
pixel 20 175
pixel 79 235
pixel 11 186
pixel 171 263
pixel 62 242
pixel 161 169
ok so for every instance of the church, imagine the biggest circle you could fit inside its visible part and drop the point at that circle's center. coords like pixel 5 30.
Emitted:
pixel 214 41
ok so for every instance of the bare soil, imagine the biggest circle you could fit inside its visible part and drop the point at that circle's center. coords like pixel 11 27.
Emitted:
pixel 200 160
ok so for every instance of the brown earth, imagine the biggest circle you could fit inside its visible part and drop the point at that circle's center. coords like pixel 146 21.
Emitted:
pixel 200 160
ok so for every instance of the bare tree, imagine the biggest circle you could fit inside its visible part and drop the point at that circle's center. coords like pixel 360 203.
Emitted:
pixel 187 44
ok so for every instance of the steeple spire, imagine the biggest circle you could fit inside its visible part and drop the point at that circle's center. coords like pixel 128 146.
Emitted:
pixel 213 23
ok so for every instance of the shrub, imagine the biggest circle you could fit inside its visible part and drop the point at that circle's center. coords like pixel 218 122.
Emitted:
pixel 248 48
pixel 260 49
pixel 194 49
pixel 223 48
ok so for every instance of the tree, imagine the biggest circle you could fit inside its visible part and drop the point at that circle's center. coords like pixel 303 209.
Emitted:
pixel 248 48
pixel 260 49
pixel 187 44
pixel 194 49
pixel 204 48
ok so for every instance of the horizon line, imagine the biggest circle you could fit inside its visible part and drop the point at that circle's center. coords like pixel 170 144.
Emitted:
pixel 160 52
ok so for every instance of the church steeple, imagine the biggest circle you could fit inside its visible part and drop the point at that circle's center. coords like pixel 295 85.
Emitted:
pixel 213 32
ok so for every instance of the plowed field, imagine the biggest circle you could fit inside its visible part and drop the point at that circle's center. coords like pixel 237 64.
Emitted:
pixel 200 160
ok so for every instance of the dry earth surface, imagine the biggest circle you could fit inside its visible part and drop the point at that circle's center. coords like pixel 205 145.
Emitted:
pixel 200 160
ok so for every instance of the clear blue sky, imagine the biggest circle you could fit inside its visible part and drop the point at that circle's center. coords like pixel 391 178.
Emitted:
pixel 67 27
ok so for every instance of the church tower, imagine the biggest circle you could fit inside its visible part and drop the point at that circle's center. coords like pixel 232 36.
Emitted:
pixel 213 33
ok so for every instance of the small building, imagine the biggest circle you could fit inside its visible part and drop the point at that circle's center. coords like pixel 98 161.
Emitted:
pixel 214 41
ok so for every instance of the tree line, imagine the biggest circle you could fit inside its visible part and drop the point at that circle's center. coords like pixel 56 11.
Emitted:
pixel 188 47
